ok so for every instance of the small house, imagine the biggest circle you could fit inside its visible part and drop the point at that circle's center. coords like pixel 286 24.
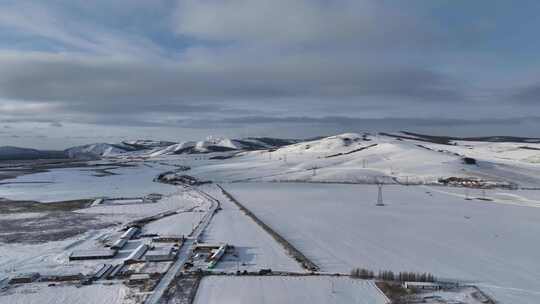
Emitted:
pixel 422 286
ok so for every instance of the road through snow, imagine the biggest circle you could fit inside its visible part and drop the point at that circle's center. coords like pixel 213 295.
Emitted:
pixel 185 251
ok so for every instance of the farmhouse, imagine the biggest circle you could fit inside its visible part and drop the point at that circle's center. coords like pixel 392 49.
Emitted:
pixel 25 278
pixel 216 256
pixel 169 239
pixel 135 279
pixel 116 271
pixel 103 271
pixel 119 244
pixel 160 254
pixel 129 233
pixel 92 254
pixel 422 286
pixel 136 255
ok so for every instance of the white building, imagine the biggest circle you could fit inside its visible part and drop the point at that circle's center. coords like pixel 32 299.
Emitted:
pixel 422 285
pixel 160 254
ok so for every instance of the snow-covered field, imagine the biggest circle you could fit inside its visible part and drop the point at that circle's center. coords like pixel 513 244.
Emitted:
pixel 43 294
pixel 78 183
pixel 180 200
pixel 288 290
pixel 420 229
pixel 255 248
pixel 178 224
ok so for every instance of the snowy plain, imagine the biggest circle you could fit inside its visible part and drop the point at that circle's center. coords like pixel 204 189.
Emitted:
pixel 79 183
pixel 254 247
pixel 43 294
pixel 288 290
pixel 339 227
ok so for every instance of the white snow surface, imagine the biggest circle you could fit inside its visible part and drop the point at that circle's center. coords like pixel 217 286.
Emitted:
pixel 351 158
pixel 178 224
pixel 339 227
pixel 256 249
pixel 98 149
pixel 43 294
pixel 287 290
pixel 78 183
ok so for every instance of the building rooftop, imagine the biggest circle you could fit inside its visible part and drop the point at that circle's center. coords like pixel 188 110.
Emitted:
pixel 93 253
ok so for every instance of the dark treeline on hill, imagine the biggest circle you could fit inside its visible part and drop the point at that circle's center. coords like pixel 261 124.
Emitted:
pixel 447 139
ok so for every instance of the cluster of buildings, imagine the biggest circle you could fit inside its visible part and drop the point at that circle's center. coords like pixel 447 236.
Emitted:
pixel 207 255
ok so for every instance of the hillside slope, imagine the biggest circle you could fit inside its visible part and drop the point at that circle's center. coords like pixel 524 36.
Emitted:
pixel 16 153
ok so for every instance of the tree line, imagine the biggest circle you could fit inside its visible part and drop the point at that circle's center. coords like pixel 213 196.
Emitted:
pixel 387 275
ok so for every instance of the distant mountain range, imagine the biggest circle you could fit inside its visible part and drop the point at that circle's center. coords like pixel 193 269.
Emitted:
pixel 146 148
pixel 448 139
pixel 153 148
pixel 16 153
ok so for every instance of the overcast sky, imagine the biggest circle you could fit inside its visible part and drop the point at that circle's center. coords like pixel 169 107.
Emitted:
pixel 79 71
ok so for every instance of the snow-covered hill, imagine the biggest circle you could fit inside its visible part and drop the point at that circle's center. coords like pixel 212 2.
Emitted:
pixel 147 143
pixel 98 150
pixel 350 157
pixel 222 145
pixel 365 157
pixel 148 148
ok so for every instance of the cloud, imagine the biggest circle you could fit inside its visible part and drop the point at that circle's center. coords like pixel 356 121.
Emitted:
pixel 358 121
pixel 305 126
pixel 303 22
pixel 103 83
pixel 56 124
pixel 112 71
pixel 67 32
pixel 528 94
pixel 237 63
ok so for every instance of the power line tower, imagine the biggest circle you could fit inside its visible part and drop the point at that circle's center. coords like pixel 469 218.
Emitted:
pixel 379 194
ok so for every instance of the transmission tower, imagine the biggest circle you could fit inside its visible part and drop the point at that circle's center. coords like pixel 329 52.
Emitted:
pixel 379 195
